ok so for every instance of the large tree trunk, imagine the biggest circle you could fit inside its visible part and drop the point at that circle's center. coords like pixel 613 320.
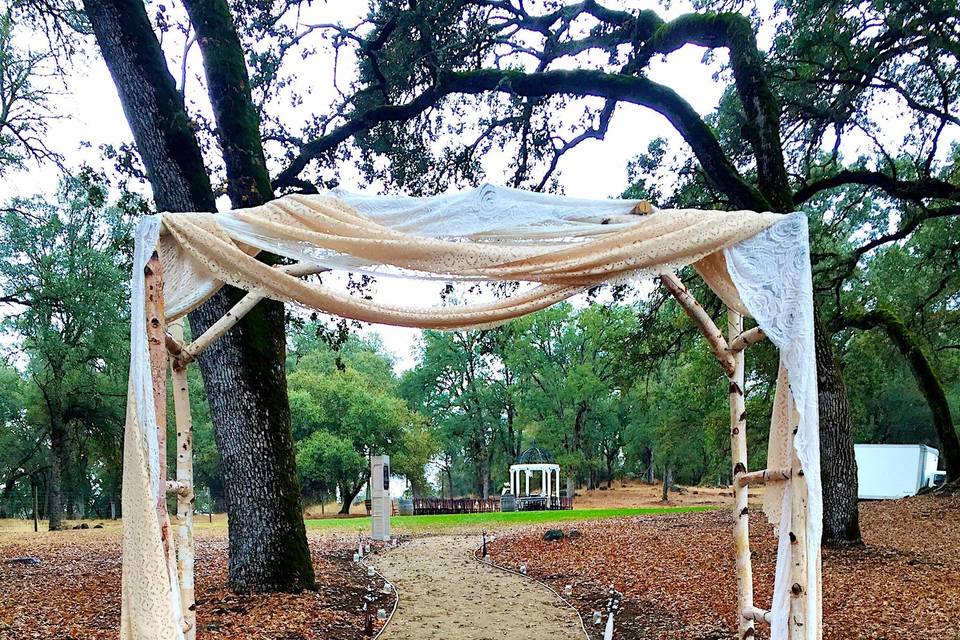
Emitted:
pixel 153 107
pixel 348 494
pixel 485 473
pixel 258 348
pixel 247 394
pixel 243 372
pixel 667 483
pixel 238 124
pixel 838 465
pixel 58 462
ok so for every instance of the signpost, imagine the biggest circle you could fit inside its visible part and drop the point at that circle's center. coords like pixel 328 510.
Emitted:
pixel 380 496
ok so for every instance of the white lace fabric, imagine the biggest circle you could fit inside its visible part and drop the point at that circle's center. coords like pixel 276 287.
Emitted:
pixel 772 273
pixel 756 263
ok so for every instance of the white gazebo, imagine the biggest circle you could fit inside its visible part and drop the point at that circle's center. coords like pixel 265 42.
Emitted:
pixel 531 461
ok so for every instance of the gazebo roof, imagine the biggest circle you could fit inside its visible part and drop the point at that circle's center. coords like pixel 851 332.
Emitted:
pixel 535 455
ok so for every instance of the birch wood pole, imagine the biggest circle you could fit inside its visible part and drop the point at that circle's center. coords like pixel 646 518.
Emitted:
pixel 156 341
pixel 185 489
pixel 738 451
pixel 187 353
pixel 157 349
pixel 764 476
pixel 729 352
pixel 747 338
pixel 702 319
pixel 798 552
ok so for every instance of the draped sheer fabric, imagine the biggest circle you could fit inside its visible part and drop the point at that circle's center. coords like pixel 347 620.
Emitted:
pixel 557 246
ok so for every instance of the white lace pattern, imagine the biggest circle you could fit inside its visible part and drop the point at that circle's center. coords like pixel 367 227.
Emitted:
pixel 772 273
pixel 562 245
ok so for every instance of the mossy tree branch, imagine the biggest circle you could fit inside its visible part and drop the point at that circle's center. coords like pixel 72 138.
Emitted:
pixel 238 124
pixel 579 82
pixel 915 190
pixel 648 35
pixel 910 345
pixel 733 32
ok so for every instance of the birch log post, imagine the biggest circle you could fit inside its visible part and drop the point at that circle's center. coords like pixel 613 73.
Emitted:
pixel 157 349
pixel 156 341
pixel 747 338
pixel 187 353
pixel 702 319
pixel 764 476
pixel 185 493
pixel 738 451
pixel 732 362
pixel 798 553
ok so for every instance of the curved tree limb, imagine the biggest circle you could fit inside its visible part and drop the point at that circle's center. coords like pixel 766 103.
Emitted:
pixel 734 32
pixel 916 190
pixel 580 82
pixel 910 346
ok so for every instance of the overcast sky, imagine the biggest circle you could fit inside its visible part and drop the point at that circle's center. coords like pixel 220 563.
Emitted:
pixel 91 116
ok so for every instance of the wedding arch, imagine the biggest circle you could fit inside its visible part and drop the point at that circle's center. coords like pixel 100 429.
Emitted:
pixel 758 264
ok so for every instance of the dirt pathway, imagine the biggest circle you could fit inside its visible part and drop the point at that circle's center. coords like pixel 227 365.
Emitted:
pixel 444 593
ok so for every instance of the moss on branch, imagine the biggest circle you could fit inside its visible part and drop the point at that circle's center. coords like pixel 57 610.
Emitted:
pixel 910 346
pixel 734 32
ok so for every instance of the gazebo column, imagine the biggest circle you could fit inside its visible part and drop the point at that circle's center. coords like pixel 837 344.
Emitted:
pixel 556 489
pixel 526 474
pixel 546 484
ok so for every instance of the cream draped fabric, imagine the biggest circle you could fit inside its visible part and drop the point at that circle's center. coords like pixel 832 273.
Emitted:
pixel 559 246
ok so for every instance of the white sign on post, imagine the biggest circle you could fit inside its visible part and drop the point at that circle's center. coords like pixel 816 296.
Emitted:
pixel 380 496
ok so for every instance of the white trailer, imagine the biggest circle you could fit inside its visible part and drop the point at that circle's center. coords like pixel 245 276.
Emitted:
pixel 886 471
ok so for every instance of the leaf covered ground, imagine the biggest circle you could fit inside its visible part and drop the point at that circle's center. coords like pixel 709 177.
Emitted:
pixel 74 593
pixel 677 572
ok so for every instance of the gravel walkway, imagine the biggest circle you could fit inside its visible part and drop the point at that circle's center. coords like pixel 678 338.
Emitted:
pixel 445 593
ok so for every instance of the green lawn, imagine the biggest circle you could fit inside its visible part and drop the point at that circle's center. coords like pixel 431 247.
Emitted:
pixel 420 524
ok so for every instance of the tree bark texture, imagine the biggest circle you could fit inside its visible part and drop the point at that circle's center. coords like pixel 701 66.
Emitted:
pixel 238 123
pixel 257 344
pixel 58 461
pixel 247 394
pixel 243 373
pixel 154 108
pixel 667 483
pixel 838 464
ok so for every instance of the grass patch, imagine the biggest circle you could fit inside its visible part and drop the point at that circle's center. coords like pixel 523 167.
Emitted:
pixel 15 530
pixel 415 524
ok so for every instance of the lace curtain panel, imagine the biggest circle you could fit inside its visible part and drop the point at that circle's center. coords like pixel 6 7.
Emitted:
pixel 556 247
